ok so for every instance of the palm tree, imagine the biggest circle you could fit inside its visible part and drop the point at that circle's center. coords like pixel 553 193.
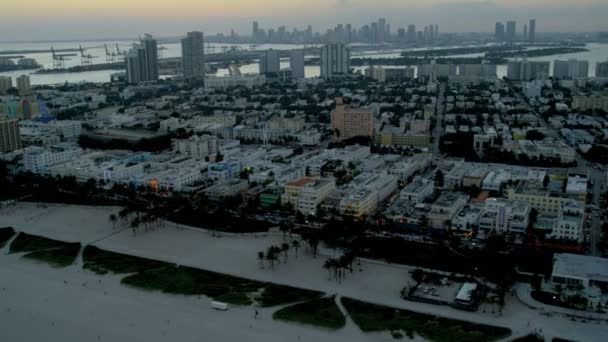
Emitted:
pixel 113 219
pixel 261 258
pixel 284 229
pixel 135 225
pixel 328 265
pixel 295 244
pixel 285 249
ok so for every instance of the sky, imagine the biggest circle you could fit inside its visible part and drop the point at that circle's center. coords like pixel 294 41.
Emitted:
pixel 83 19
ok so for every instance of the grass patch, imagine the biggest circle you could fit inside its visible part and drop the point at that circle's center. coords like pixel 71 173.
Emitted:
pixel 371 318
pixel 55 253
pixel 190 281
pixel 322 312
pixel 6 234
pixel 102 262
pixel 274 295
pixel 29 243
pixel 60 257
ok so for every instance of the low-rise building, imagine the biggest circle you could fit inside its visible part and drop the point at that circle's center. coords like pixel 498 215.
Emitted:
pixel 505 216
pixel 418 190
pixel 445 208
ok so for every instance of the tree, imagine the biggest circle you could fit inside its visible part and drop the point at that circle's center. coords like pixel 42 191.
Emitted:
pixel 534 135
pixel 296 245
pixel 113 219
pixel 285 249
pixel 328 265
pixel 261 258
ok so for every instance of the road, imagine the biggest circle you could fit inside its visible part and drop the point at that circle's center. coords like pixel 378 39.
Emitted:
pixel 439 112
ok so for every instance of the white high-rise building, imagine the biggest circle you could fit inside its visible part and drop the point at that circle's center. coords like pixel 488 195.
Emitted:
pixel 23 85
pixel 142 61
pixel 570 69
pixel 6 83
pixel 335 60
pixel 193 55
pixel 525 70
pixel 270 62
pixel 296 62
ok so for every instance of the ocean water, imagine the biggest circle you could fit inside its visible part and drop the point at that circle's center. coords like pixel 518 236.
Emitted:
pixel 596 53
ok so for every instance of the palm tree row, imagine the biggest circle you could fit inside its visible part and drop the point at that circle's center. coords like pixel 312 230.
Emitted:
pixel 274 253
pixel 337 267
pixel 135 216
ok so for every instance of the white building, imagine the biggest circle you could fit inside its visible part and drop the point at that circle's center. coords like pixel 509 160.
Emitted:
pixel 418 190
pixel 505 216
pixel 335 60
pixel 569 224
pixel 38 160
pixel 312 194
pixel 197 147
pixel 445 208
pixel 570 69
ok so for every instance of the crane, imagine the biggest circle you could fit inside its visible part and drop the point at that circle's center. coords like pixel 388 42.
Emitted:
pixel 59 60
pixel 85 59
pixel 110 56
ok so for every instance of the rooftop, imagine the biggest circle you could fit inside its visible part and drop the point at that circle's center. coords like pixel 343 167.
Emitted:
pixel 580 266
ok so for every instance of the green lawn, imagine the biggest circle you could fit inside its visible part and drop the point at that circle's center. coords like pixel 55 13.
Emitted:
pixel 29 243
pixel 371 318
pixel 58 257
pixel 55 253
pixel 322 312
pixel 6 234
pixel 101 262
pixel 274 295
pixel 191 281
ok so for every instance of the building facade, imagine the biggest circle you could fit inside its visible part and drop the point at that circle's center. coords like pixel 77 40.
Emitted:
pixel 193 55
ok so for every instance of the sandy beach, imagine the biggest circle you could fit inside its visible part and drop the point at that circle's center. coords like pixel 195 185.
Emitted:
pixel 62 304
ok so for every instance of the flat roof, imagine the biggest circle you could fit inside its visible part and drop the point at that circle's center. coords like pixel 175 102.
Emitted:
pixel 466 292
pixel 580 266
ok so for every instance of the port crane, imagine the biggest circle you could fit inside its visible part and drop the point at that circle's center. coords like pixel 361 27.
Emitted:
pixel 59 59
pixel 85 59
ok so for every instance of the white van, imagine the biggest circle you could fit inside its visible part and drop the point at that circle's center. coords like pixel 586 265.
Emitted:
pixel 219 306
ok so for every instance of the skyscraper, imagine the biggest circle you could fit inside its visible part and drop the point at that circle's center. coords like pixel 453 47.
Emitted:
pixel 193 55
pixel 525 37
pixel 296 63
pixel 142 61
pixel 6 83
pixel 270 62
pixel 532 30
pixel 24 86
pixel 335 60
pixel 601 69
pixel 570 69
pixel 254 31
pixel 511 31
pixel 499 32
pixel 10 138
pixel 381 30
pixel 411 33
pixel 151 49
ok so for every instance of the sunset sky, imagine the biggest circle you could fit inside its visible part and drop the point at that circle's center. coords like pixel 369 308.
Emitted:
pixel 66 19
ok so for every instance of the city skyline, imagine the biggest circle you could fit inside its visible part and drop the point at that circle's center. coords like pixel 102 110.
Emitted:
pixel 66 19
